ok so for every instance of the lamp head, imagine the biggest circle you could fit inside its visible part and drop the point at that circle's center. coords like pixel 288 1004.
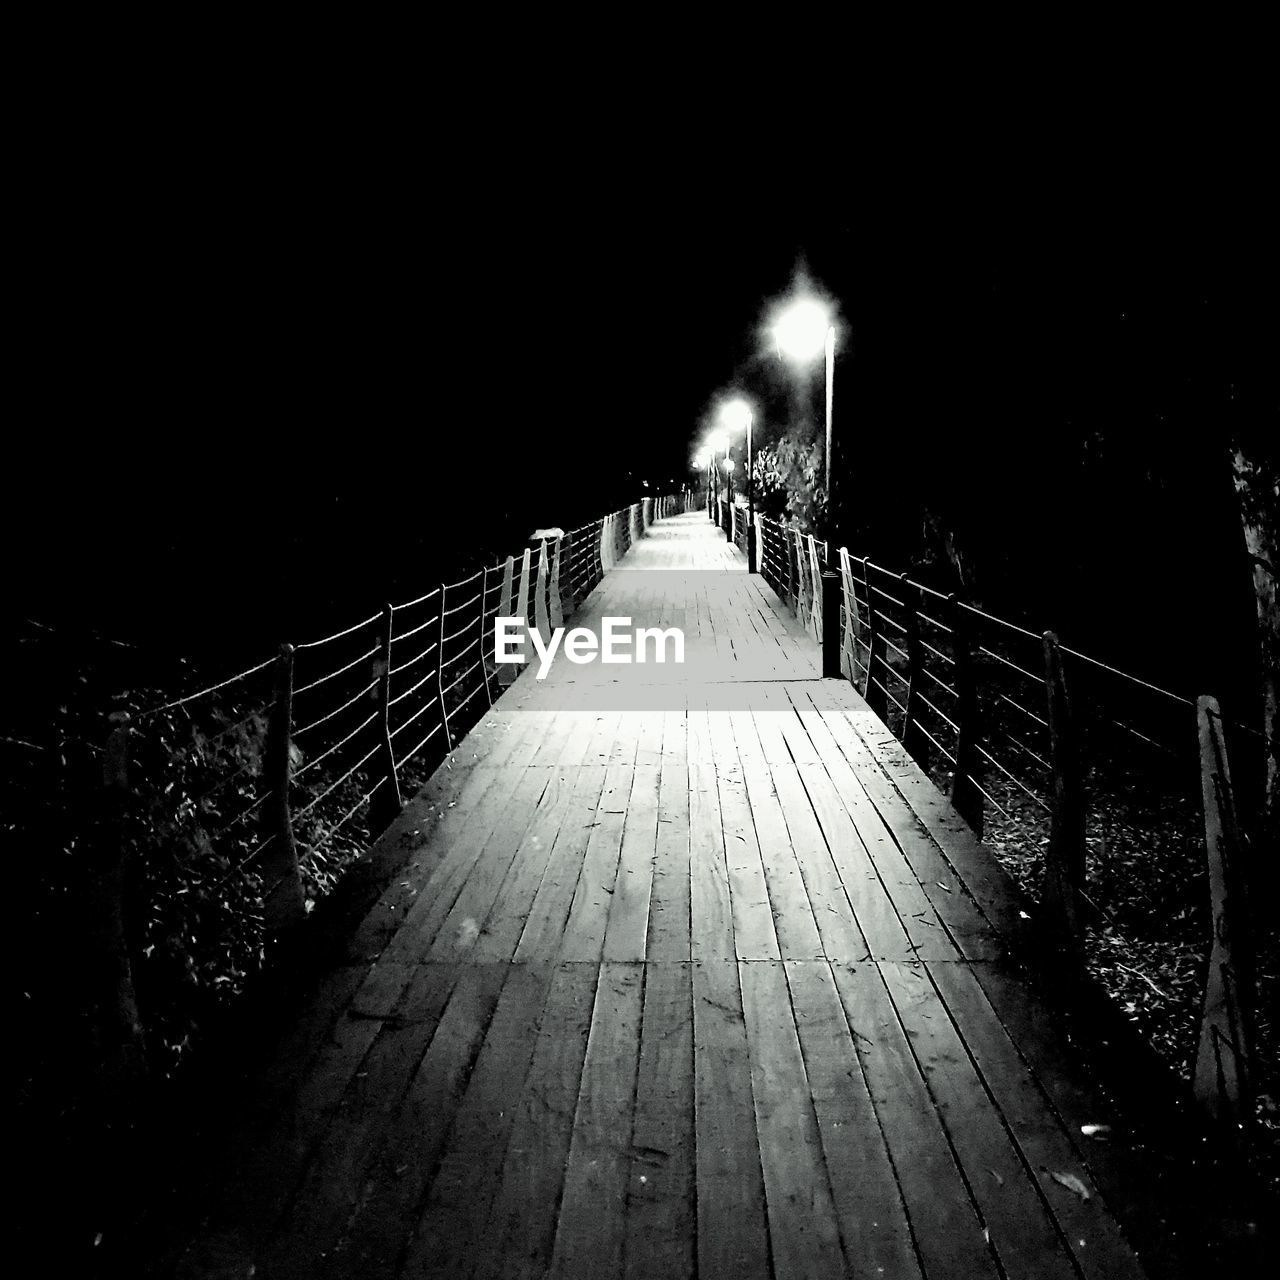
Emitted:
pixel 800 329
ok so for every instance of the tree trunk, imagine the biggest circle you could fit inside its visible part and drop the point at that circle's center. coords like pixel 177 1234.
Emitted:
pixel 1257 484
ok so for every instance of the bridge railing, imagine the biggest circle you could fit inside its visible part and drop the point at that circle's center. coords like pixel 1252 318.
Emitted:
pixel 240 804
pixel 1078 774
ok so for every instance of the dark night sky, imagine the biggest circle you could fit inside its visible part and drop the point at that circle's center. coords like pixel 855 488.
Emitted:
pixel 264 376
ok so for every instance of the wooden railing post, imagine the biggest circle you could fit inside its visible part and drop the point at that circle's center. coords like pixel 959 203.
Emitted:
pixel 1223 1077
pixel 914 738
pixel 386 804
pixel 873 692
pixel 282 896
pixel 965 795
pixel 830 625
pixel 117 1024
pixel 1064 870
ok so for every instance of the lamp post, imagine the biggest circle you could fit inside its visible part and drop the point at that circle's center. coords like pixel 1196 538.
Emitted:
pixel 801 332
pixel 736 415
pixel 702 462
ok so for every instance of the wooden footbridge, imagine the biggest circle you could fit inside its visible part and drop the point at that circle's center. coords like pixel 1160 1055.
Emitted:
pixel 679 976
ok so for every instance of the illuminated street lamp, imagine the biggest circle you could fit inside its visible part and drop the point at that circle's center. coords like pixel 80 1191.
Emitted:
pixel 735 416
pixel 802 331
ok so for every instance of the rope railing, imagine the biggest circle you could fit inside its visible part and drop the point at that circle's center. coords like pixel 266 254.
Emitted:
pixel 297 761
pixel 1037 746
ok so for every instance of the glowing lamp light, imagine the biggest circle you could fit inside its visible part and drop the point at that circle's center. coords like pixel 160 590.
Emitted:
pixel 701 458
pixel 729 464
pixel 735 415
pixel 800 330
pixel 719 443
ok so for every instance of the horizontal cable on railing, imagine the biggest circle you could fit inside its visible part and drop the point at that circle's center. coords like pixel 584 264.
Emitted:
pixel 421 711
pixel 404 759
pixel 940 714
pixel 1022 746
pixel 991 617
pixel 466 629
pixel 475 666
pixel 409 604
pixel 900 652
pixel 409 692
pixel 204 693
pixel 937 653
pixel 333 675
pixel 885 595
pixel 942 684
pixel 937 745
pixel 338 635
pixel 884 662
pixel 462 653
pixel 422 626
pixel 1013 666
pixel 1031 715
pixel 404 666
pixel 933 622
pixel 879 685
pixel 1115 671
pixel 306 809
pixel 983 791
pixel 466 604
pixel 337 746
pixel 462 582
pixel 463 702
pixel 337 711
pixel 346 817
pixel 1012 777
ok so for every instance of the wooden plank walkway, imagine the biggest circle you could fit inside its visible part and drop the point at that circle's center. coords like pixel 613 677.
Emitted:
pixel 703 981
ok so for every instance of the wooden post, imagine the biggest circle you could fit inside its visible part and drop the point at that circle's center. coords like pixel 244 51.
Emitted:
pixel 117 1025
pixel 874 693
pixel 386 804
pixel 1064 871
pixel 486 647
pixel 444 591
pixel 965 795
pixel 1223 1077
pixel 282 896
pixel 830 625
pixel 914 738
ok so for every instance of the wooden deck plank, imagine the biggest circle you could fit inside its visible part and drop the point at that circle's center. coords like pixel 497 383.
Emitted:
pixel 460 929
pixel 1019 1226
pixel 628 924
pixel 352 1140
pixel 544 924
pixel 1092 1236
pixel 518 1236
pixel 710 910
pixel 793 913
pixel 592 1225
pixel 588 917
pixel 500 933
pixel 669 931
pixel 842 939
pixel 661 1211
pixel 732 1238
pixel 874 1229
pixel 803 1232
pixel 449 1230
pixel 753 931
pixel 946 1226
